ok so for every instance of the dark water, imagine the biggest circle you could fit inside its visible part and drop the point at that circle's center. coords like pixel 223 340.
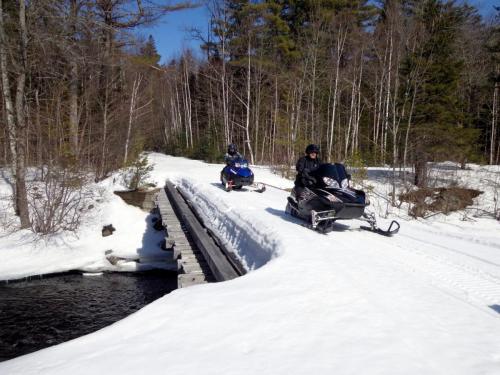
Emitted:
pixel 36 314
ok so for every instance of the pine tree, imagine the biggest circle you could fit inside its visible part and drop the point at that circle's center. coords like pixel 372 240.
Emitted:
pixel 440 130
pixel 149 53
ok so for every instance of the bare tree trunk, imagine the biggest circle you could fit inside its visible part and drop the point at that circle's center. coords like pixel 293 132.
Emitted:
pixel 131 117
pixel 275 120
pixel 358 107
pixel 313 88
pixel 378 109
pixel 388 99
pixel 494 120
pixel 224 83
pixel 39 146
pixel 408 129
pixel 187 107
pixel 351 114
pixel 257 109
pixel 9 106
pixel 73 84
pixel 395 128
pixel 341 38
pixel 16 125
pixel 105 120
pixel 21 194
pixel 247 124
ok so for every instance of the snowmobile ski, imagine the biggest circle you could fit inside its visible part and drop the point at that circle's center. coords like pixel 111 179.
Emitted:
pixel 387 232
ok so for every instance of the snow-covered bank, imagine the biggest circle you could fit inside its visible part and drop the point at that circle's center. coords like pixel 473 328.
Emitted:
pixel 25 254
pixel 423 302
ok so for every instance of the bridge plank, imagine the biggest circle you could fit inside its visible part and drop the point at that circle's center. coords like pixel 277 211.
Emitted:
pixel 218 263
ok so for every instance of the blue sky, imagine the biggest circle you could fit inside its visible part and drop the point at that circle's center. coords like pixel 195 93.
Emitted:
pixel 172 34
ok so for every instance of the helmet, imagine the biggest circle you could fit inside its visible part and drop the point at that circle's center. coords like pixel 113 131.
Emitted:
pixel 312 148
pixel 231 149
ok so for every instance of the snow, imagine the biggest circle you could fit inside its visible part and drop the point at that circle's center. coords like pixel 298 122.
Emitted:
pixel 426 301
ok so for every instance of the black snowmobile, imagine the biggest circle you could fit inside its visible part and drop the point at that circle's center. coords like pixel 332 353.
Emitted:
pixel 331 199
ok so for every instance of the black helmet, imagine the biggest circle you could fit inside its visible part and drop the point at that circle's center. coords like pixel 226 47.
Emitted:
pixel 231 149
pixel 312 148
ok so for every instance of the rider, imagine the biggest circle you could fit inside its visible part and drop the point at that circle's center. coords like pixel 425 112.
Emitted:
pixel 305 165
pixel 232 154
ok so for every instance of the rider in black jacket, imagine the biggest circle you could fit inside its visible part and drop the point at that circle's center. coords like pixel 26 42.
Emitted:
pixel 305 165
pixel 232 154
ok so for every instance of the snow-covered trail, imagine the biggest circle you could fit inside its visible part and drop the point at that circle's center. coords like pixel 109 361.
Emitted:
pixel 416 280
pixel 349 302
pixel 467 266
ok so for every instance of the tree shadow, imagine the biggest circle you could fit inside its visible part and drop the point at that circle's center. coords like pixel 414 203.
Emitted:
pixel 7 179
pixel 495 308
pixel 220 186
pixel 151 238
pixel 150 255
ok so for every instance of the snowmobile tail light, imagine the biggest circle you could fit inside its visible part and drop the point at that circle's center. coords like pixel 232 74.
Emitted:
pixel 345 183
pixel 330 182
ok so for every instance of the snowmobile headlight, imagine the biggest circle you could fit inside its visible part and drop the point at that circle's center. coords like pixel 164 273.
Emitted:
pixel 345 183
pixel 237 165
pixel 330 182
pixel 244 165
pixel 332 198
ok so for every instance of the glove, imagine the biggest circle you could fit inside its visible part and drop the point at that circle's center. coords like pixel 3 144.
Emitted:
pixel 309 181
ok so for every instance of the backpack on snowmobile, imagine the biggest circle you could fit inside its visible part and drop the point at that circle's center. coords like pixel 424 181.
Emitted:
pixel 237 174
pixel 330 199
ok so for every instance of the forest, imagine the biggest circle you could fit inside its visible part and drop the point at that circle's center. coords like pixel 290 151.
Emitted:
pixel 397 83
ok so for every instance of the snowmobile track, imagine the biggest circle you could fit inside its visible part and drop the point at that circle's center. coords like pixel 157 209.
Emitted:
pixel 470 284
pixel 451 249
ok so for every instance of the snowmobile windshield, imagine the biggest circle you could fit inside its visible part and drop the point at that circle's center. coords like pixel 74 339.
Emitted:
pixel 240 163
pixel 331 175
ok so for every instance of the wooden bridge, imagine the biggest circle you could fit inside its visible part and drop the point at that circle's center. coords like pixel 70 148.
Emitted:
pixel 201 257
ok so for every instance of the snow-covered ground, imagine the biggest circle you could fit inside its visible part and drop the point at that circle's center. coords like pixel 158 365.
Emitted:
pixel 426 301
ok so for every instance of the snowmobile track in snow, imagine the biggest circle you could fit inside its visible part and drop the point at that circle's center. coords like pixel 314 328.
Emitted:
pixel 468 283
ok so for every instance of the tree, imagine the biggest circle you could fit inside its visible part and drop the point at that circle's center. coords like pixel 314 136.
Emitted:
pixel 16 110
pixel 439 124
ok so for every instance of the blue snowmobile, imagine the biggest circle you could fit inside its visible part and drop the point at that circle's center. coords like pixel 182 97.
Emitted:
pixel 330 199
pixel 236 174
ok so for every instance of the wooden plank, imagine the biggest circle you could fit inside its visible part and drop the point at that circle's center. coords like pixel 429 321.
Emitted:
pixel 189 261
pixel 184 280
pixel 218 263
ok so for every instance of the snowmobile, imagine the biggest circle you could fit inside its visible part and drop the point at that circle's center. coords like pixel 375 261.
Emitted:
pixel 236 174
pixel 330 199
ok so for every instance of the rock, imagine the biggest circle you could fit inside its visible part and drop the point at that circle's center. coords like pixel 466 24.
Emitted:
pixel 113 259
pixel 108 230
pixel 158 225
pixel 167 244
